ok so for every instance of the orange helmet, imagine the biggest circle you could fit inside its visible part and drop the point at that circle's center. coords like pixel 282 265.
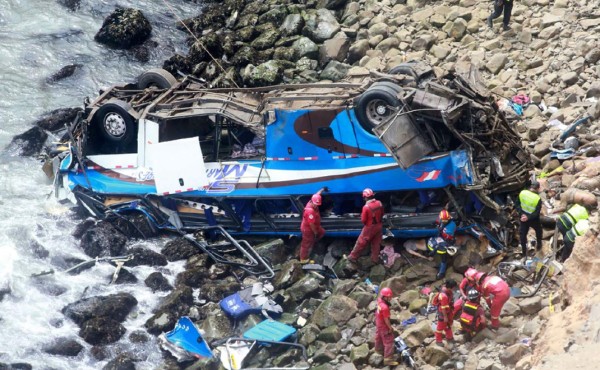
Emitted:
pixel 386 292
pixel 471 273
pixel 316 199
pixel 444 216
pixel 368 193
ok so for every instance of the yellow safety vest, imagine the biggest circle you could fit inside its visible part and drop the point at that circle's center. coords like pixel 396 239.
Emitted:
pixel 580 228
pixel 529 201
pixel 579 213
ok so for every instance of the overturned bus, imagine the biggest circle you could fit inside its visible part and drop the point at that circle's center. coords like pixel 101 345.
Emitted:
pixel 248 159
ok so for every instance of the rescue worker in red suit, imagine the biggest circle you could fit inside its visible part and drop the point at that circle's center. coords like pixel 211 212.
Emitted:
pixel 496 292
pixel 445 305
pixel 384 333
pixel 467 283
pixel 372 232
pixel 311 228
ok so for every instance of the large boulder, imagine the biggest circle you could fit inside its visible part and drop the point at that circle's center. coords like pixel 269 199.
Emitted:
pixel 124 28
pixel 320 25
pixel 304 287
pixel 64 347
pixel 334 71
pixel 436 355
pixel 265 74
pixel 171 308
pixel 290 273
pixel 157 282
pixel 123 361
pixel 275 250
pixel 305 47
pixel 146 257
pixel 29 143
pixel 116 306
pixel 292 25
pixel 179 249
pixel 216 326
pixel 101 330
pixel 415 335
pixel 56 119
pixel 337 309
pixel 102 240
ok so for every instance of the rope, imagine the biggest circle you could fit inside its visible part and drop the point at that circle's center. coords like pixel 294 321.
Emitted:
pixel 197 40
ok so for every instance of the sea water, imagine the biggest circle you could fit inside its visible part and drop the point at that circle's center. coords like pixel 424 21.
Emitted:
pixel 37 39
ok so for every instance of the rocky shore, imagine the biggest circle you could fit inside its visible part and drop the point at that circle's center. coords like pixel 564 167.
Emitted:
pixel 551 55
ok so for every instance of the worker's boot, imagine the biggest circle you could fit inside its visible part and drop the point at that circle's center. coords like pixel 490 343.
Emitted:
pixel 390 362
pixel 490 23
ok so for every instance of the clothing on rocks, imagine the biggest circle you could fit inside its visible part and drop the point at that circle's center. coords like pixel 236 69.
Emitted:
pixel 311 216
pixel 371 234
pixel 496 292
pixel 384 337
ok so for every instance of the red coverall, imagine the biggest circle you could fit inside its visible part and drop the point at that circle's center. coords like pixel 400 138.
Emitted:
pixel 371 216
pixel 310 216
pixel 384 338
pixel 496 292
pixel 465 286
pixel 445 305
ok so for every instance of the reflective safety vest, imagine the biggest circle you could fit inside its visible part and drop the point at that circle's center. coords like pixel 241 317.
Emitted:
pixel 580 228
pixel 579 213
pixel 529 201
pixel 437 245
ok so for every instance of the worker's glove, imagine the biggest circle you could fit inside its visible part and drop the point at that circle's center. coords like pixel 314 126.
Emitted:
pixel 325 189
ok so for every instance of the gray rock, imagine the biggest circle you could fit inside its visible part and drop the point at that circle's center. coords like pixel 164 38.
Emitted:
pixel 569 78
pixel 336 309
pixel 216 326
pixel 508 337
pixel 436 355
pixel 292 25
pixel 320 25
pixel 496 63
pixel 334 71
pixel 116 306
pixel 415 334
pixel 308 334
pixel 290 273
pixel 362 298
pixel 417 304
pixel 360 354
pixel 456 29
pixel 510 308
pixel 29 143
pixel 101 330
pixel 64 347
pixel 305 47
pixel 513 354
pixel 408 296
pixel 423 42
pixel 330 334
pixel 266 39
pixel 124 28
pixel 334 49
pixel 397 283
pixel 388 44
pixel 549 33
pixel 331 4
pixel 305 286
pixel 531 305
pixel 358 50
